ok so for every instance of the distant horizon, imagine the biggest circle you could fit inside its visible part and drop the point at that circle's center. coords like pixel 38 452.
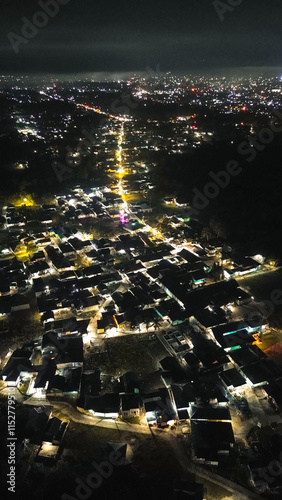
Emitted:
pixel 98 76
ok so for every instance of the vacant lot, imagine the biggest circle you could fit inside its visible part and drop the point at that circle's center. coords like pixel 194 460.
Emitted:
pixel 262 284
pixel 128 353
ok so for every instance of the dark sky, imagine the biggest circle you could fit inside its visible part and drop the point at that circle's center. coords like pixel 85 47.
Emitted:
pixel 130 35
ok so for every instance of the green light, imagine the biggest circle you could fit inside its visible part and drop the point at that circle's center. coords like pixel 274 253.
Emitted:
pixel 234 331
pixel 235 348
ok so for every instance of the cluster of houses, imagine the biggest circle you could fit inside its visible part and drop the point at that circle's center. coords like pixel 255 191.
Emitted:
pixel 160 283
pixel 40 434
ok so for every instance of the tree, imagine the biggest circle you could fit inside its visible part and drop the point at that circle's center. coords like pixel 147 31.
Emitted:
pixel 218 229
pixel 101 228
pixel 24 327
pixel 157 321
pixel 81 260
pixel 207 233
pixel 217 271
pixel 214 230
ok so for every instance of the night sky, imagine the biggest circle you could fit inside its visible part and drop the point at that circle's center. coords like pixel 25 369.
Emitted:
pixel 118 36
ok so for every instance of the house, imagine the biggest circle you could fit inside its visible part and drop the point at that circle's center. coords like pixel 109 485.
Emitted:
pixel 19 303
pixel 192 361
pixel 5 305
pixel 223 293
pixel 149 259
pixel 183 395
pixel 18 367
pixel 38 268
pixel 232 341
pixel 208 388
pixel 159 406
pixel 212 434
pixel 177 342
pixel 122 322
pixel 212 442
pixel 90 303
pixel 131 405
pixel 66 382
pixel 197 278
pixel 70 326
pixel 53 302
pixel 67 249
pixel 101 326
pixel 247 355
pixel 209 317
pixel 93 270
pixel 45 372
pixel 67 351
pixel 91 383
pixel 35 426
pixel 241 266
pixel 111 278
pixel 68 276
pixel 5 288
pixel 55 431
pixel 174 289
pixel 52 439
pixel 172 369
pixel 130 382
pixel 208 413
pixel 230 328
pixel 243 297
pixel 171 311
pixel 39 286
pixel 104 406
pixel 59 261
pixel 43 242
pixel 232 379
pixel 210 354
pixel 261 373
pixel 189 256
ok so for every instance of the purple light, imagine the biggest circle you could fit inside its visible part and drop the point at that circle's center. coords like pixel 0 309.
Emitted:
pixel 122 218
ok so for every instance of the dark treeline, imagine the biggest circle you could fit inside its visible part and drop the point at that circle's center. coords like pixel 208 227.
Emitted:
pixel 250 207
